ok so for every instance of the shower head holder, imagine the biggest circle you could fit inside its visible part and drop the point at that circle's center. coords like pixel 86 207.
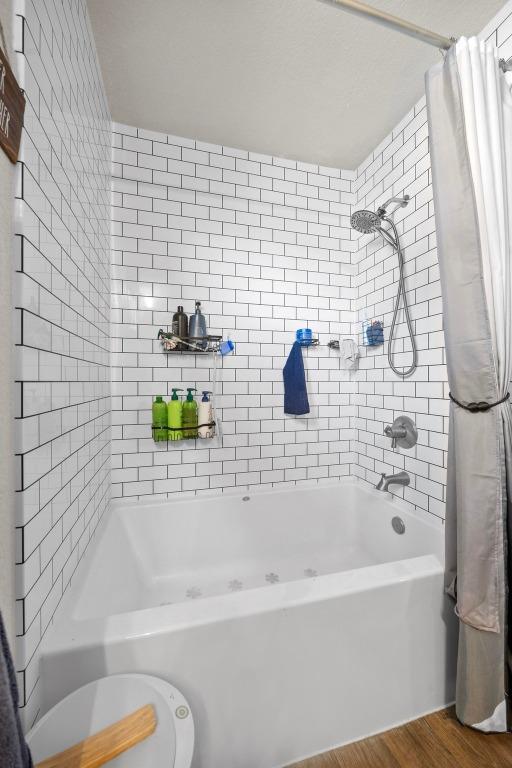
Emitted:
pixel 400 202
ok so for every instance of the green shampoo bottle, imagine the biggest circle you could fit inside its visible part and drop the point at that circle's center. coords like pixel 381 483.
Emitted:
pixel 175 416
pixel 190 415
pixel 159 413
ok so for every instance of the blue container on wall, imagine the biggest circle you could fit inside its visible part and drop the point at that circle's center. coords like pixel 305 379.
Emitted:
pixel 374 332
pixel 304 336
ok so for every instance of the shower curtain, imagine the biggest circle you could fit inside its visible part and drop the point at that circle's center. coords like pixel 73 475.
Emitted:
pixel 470 123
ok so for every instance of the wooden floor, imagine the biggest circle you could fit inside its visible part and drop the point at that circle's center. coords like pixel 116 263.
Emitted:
pixel 435 741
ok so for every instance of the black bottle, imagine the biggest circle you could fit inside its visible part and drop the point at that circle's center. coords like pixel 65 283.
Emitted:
pixel 180 326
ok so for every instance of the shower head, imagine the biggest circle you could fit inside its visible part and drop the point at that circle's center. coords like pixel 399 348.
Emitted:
pixel 365 221
pixel 369 221
pixel 382 222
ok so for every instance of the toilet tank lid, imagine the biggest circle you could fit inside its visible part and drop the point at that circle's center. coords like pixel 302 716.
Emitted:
pixel 102 702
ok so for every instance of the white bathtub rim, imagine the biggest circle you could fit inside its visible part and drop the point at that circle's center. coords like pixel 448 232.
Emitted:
pixel 232 493
pixel 69 632
pixel 428 518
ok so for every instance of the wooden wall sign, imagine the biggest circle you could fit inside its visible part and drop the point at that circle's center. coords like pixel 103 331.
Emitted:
pixel 12 109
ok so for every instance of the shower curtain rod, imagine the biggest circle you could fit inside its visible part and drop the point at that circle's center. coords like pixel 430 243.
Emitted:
pixel 401 25
pixel 394 22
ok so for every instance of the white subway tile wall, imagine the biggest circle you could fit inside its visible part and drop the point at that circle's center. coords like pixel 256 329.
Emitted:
pixel 265 244
pixel 401 165
pixel 62 299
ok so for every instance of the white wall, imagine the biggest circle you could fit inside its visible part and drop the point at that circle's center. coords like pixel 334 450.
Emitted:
pixel 401 165
pixel 6 373
pixel 62 320
pixel 265 244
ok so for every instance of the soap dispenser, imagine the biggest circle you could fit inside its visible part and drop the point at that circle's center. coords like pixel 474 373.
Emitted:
pixel 190 415
pixel 197 327
pixel 180 327
pixel 205 416
pixel 175 415
pixel 159 414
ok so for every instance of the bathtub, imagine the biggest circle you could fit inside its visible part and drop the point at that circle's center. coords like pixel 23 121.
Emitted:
pixel 293 621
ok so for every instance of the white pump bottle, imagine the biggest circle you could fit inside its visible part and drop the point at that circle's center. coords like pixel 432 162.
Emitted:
pixel 205 416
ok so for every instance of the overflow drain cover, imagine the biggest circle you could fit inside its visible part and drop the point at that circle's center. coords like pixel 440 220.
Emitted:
pixel 246 498
pixel 182 712
pixel 398 525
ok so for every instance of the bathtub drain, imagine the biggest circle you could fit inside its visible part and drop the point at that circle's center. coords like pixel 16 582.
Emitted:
pixel 398 525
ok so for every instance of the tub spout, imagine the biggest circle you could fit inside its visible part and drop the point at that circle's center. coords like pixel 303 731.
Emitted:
pixel 402 478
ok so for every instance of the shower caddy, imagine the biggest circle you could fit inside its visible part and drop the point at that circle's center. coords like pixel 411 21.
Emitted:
pixel 194 343
pixel 372 332
pixel 210 344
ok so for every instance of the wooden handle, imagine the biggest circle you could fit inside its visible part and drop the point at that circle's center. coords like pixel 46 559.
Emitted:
pixel 107 744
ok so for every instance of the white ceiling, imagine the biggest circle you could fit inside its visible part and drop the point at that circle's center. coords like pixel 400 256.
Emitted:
pixel 295 78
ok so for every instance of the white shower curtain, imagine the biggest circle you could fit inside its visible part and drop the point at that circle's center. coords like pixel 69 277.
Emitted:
pixel 470 123
pixel 487 109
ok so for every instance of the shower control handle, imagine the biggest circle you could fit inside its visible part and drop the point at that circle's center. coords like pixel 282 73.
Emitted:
pixel 403 432
pixel 394 433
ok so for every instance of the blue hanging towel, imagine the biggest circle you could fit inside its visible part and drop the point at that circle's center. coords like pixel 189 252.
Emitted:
pixel 295 393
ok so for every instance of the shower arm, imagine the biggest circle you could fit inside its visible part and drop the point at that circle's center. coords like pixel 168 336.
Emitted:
pixel 400 202
pixel 382 212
